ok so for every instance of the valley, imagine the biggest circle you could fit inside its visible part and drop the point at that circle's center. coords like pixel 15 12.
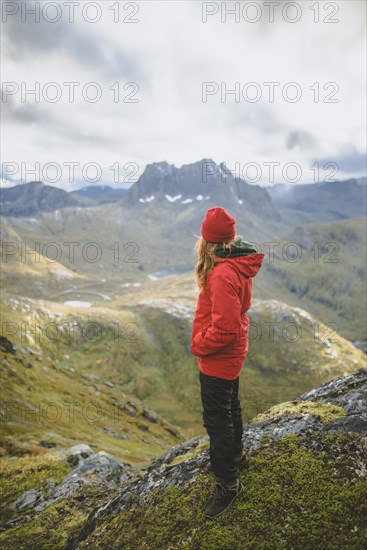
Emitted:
pixel 98 300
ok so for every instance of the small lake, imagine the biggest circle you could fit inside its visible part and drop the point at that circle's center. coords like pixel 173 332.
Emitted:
pixel 77 303
pixel 169 272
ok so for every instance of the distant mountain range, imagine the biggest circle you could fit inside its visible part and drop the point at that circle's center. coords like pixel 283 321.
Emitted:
pixel 30 198
pixel 322 202
pixel 201 182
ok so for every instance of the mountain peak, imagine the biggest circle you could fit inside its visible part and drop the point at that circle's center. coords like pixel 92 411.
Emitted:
pixel 204 180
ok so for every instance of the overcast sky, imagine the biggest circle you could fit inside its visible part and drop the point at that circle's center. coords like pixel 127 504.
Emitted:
pixel 166 55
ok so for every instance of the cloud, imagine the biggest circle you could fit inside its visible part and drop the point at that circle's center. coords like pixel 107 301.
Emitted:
pixel 24 113
pixel 299 138
pixel 169 53
pixel 349 160
pixel 29 38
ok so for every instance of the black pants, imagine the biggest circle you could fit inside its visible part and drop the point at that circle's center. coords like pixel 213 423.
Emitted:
pixel 222 418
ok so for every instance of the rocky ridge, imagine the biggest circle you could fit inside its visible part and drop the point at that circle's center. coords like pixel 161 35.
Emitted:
pixel 182 463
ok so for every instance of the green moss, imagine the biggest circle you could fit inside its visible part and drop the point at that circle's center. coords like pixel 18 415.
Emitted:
pixel 325 411
pixel 292 499
pixel 55 525
pixel 26 473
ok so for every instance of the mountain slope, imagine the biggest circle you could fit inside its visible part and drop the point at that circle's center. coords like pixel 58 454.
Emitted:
pixel 132 242
pixel 48 403
pixel 100 193
pixel 142 345
pixel 286 473
pixel 69 364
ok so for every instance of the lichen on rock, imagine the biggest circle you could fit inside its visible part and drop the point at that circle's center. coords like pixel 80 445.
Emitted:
pixel 325 411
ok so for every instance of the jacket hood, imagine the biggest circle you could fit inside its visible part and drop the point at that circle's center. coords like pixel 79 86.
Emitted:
pixel 242 255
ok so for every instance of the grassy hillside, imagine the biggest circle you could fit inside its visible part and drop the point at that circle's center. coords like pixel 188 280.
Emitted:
pixel 296 353
pixel 52 395
pixel 326 275
pixel 143 350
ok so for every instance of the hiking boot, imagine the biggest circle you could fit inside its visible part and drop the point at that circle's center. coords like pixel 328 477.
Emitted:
pixel 225 494
pixel 240 460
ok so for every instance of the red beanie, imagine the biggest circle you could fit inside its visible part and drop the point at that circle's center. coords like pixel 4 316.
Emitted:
pixel 218 226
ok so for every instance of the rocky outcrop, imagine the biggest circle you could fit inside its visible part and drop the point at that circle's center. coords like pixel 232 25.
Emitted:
pixel 182 463
pixel 88 468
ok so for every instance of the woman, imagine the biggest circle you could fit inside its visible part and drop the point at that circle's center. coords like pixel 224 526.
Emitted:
pixel 224 271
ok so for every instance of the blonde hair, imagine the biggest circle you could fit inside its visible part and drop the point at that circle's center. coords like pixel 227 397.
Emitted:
pixel 206 259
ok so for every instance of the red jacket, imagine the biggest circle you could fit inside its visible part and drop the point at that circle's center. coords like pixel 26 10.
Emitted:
pixel 221 326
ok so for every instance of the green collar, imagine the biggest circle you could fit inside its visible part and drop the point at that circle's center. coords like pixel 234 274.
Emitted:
pixel 240 247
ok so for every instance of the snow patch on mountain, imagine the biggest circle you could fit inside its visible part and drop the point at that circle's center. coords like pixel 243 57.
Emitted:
pixel 173 199
pixel 147 199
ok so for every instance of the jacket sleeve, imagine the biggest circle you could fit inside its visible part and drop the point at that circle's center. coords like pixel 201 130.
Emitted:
pixel 225 324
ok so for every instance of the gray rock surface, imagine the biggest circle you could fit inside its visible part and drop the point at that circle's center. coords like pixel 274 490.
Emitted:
pixel 349 392
pixel 28 500
pixel 88 468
